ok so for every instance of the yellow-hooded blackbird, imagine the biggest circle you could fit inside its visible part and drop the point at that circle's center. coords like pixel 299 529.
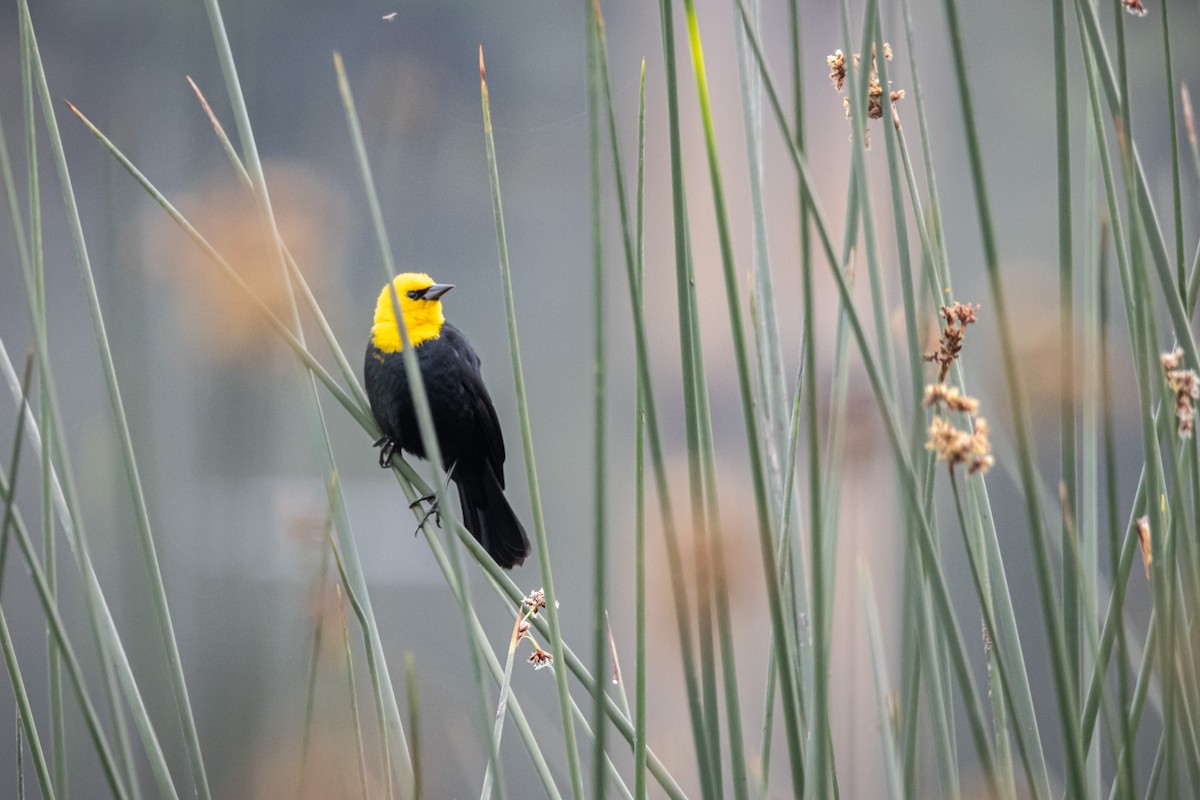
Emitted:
pixel 464 419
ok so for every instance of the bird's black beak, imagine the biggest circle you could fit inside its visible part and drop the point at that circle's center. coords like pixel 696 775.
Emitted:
pixel 436 290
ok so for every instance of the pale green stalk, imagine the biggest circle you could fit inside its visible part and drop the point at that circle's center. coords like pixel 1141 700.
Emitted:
pixel 34 263
pixel 917 614
pixel 883 695
pixel 1071 580
pixel 25 718
pixel 373 666
pixel 414 719
pixel 158 596
pixel 539 521
pixel 709 786
pixel 14 465
pixel 639 473
pixel 24 710
pixel 502 706
pixel 1066 701
pixel 74 671
pixel 314 657
pixel 358 738
pixel 424 415
pixel 750 422
pixel 594 31
pixel 777 441
pixel 941 597
pixel 710 577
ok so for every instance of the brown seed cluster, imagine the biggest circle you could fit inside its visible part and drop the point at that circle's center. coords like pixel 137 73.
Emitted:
pixel 875 91
pixel 972 449
pixel 531 604
pixel 957 317
pixel 541 658
pixel 938 393
pixel 837 69
pixel 535 602
pixel 1186 386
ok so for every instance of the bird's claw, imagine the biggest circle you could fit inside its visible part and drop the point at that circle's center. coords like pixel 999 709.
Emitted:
pixel 433 511
pixel 387 448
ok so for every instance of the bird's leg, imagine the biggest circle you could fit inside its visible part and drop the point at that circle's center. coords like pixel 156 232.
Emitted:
pixel 388 447
pixel 433 510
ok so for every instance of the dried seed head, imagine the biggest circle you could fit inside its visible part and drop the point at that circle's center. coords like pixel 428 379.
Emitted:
pixel 541 658
pixel 874 98
pixel 535 601
pixel 981 449
pixel 875 90
pixel 949 444
pixel 1186 386
pixel 957 317
pixel 938 393
pixel 1172 359
pixel 837 68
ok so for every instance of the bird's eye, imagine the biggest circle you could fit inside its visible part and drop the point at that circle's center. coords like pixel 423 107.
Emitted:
pixel 415 295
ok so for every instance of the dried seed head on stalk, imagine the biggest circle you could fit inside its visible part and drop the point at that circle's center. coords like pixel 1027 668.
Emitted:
pixel 974 450
pixel 958 317
pixel 938 393
pixel 541 658
pixel 1184 384
pixel 536 601
pixel 837 68
pixel 875 90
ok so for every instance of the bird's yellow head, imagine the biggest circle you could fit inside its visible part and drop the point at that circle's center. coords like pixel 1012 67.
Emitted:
pixel 420 306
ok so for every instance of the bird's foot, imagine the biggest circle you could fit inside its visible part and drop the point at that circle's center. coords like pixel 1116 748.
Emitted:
pixel 433 511
pixel 387 447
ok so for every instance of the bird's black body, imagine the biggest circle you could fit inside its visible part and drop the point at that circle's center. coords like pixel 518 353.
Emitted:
pixel 467 429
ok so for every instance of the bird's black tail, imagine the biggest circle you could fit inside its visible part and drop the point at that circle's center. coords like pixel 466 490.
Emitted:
pixel 489 517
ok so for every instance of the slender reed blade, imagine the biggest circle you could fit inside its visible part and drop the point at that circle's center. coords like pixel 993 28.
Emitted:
pixel 372 665
pixel 502 705
pixel 25 718
pixel 527 442
pixel 14 464
pixel 593 24
pixel 708 561
pixel 353 697
pixel 750 420
pixel 158 599
pixel 414 720
pixel 1066 701
pixel 639 476
pixel 883 695
pixel 941 599
pixel 112 776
